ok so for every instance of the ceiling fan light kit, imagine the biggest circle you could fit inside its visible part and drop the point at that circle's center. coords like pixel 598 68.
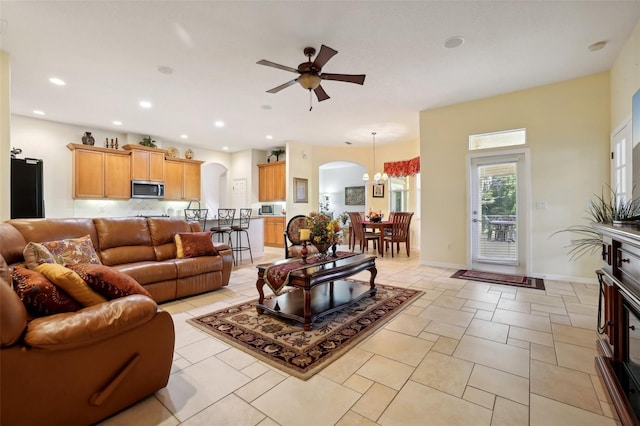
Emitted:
pixel 310 75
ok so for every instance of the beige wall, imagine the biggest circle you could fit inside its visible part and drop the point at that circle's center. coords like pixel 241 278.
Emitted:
pixel 5 144
pixel 625 78
pixel 568 136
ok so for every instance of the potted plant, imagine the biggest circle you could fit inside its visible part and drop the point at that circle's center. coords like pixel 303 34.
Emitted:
pixel 612 210
pixel 147 141
pixel 278 152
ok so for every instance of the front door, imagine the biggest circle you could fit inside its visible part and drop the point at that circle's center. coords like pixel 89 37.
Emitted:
pixel 498 231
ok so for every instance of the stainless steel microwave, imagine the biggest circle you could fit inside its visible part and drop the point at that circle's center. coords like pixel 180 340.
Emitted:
pixel 147 189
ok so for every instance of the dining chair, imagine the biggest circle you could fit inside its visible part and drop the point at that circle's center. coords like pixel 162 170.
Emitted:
pixel 225 221
pixel 400 232
pixel 359 233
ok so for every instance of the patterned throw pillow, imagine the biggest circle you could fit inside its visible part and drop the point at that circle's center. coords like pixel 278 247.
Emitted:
pixel 108 282
pixel 36 254
pixel 73 251
pixel 71 283
pixel 194 244
pixel 40 296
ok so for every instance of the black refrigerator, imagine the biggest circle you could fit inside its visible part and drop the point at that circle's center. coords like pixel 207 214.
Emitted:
pixel 27 197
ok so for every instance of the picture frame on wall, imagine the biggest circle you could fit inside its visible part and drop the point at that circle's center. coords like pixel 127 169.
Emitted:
pixel 354 196
pixel 301 190
pixel 378 190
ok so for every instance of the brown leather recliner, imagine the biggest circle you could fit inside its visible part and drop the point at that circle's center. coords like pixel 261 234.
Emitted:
pixel 80 367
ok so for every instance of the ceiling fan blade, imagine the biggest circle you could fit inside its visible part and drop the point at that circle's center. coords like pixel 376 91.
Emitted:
pixel 323 57
pixel 321 94
pixel 349 78
pixel 274 65
pixel 283 86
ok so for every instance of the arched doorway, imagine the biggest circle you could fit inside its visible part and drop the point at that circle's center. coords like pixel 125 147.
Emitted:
pixel 339 186
pixel 214 187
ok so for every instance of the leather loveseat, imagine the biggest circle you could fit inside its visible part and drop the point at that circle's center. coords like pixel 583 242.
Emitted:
pixel 143 248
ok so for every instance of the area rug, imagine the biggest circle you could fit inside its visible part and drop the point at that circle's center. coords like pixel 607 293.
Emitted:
pixel 504 279
pixel 285 345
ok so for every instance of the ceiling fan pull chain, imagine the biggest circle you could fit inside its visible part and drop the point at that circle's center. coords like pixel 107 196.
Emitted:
pixel 310 101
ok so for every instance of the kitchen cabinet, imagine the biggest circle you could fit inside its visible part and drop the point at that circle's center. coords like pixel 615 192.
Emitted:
pixel 146 163
pixel 272 181
pixel 274 231
pixel 182 179
pixel 100 172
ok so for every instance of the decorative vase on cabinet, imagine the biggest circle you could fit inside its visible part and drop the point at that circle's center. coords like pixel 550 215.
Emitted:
pixel 87 139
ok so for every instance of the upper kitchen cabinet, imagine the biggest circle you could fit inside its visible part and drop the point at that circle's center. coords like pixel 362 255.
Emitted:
pixel 182 179
pixel 100 172
pixel 146 163
pixel 272 181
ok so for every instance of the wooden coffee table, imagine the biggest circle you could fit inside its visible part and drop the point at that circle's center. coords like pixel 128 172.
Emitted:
pixel 319 289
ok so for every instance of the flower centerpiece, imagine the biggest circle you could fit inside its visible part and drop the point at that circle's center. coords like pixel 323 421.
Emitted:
pixel 325 232
pixel 375 217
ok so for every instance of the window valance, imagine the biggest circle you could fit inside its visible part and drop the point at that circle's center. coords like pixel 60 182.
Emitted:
pixel 403 168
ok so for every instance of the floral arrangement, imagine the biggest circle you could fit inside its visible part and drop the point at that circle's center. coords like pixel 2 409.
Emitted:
pixel 324 230
pixel 375 217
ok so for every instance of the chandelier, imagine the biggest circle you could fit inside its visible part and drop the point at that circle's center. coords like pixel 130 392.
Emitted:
pixel 378 177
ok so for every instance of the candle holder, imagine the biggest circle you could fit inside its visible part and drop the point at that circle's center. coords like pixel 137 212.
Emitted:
pixel 304 251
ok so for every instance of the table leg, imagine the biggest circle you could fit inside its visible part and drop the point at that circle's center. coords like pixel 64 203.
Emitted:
pixel 259 286
pixel 372 279
pixel 307 309
pixel 381 242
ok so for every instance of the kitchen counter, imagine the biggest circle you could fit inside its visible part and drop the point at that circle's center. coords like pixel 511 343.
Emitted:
pixel 256 235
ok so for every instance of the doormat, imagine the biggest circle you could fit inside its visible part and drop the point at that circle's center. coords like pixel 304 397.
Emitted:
pixel 504 279
pixel 285 345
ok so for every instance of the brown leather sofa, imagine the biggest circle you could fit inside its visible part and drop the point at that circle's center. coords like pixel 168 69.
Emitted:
pixel 78 368
pixel 142 248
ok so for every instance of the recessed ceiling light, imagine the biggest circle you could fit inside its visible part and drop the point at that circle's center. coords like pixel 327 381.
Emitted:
pixel 453 42
pixel 225 148
pixel 597 46
pixel 269 137
pixel 38 112
pixel 266 107
pixel 183 136
pixel 165 70
pixel 117 123
pixel 145 104
pixel 57 81
pixel 219 123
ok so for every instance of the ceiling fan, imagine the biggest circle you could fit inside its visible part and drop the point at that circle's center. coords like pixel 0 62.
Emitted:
pixel 310 72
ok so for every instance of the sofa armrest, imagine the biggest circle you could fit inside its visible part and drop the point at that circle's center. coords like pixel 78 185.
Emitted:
pixel 89 325
pixel 224 251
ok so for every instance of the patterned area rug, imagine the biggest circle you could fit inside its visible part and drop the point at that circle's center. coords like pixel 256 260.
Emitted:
pixel 504 279
pixel 285 345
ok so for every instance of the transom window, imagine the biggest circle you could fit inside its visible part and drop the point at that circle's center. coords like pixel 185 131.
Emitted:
pixel 498 139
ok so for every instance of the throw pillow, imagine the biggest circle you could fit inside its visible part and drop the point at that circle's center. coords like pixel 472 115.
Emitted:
pixel 73 251
pixel 107 281
pixel 194 244
pixel 36 254
pixel 40 296
pixel 71 283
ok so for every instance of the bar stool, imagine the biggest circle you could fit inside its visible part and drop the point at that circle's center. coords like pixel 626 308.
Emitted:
pixel 225 221
pixel 242 226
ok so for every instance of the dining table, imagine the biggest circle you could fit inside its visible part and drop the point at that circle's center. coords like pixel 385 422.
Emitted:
pixel 380 227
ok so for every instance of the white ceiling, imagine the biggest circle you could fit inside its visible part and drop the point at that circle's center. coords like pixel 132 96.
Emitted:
pixel 108 52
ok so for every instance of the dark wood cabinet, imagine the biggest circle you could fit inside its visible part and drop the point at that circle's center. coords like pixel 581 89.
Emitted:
pixel 618 360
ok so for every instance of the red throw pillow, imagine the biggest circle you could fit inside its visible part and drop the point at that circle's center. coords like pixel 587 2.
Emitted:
pixel 108 282
pixel 40 296
pixel 194 244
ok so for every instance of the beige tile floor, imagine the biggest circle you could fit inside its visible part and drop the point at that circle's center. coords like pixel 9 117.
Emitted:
pixel 466 353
